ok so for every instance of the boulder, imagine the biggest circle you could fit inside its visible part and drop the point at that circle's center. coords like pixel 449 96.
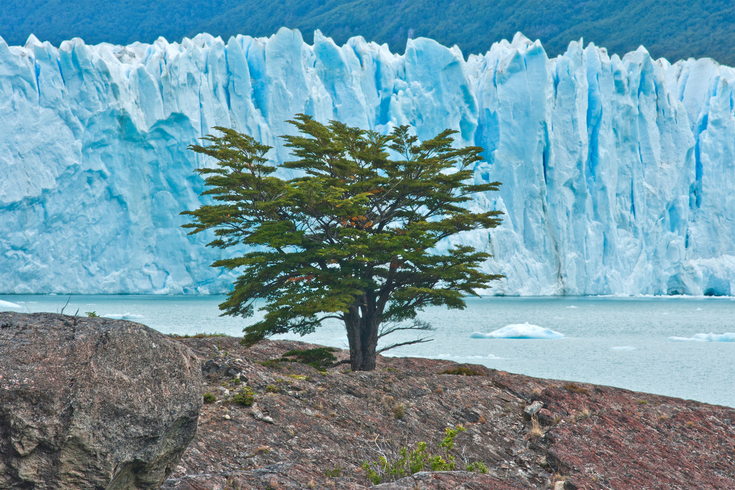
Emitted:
pixel 92 403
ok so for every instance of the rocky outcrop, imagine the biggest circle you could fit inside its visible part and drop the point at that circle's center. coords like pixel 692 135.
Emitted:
pixel 92 403
pixel 308 429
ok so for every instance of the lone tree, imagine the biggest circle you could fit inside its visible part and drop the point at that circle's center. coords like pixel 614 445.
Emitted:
pixel 352 238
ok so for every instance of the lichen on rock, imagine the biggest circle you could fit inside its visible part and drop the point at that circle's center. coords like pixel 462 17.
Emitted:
pixel 92 403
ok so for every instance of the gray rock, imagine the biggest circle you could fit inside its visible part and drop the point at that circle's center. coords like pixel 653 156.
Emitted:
pixel 222 368
pixel 92 403
pixel 546 417
pixel 533 408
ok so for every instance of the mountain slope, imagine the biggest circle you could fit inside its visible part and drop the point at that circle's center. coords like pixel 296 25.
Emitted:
pixel 675 29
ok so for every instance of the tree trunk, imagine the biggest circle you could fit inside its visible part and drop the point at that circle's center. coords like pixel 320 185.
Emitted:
pixel 362 335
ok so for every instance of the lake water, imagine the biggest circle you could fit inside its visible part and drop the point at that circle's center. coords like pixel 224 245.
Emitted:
pixel 643 344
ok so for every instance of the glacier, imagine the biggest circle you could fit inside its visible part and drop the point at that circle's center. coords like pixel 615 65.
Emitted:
pixel 618 174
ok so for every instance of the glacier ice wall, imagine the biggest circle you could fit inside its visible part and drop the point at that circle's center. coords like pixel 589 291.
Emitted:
pixel 618 174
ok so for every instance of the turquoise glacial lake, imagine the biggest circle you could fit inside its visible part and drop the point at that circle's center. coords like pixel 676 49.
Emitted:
pixel 682 347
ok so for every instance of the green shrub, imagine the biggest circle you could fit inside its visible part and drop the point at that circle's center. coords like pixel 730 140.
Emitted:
pixel 245 397
pixel 319 358
pixel 209 398
pixel 419 459
pixel 477 467
pixel 448 442
pixel 399 411
pixel 270 363
pixel 336 472
pixel 373 475
pixel 92 314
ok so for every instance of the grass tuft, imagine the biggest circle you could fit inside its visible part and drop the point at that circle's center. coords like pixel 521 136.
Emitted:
pixel 463 371
pixel 574 388
pixel 196 335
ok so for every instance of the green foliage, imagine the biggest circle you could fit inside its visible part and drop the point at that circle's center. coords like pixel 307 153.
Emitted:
pixel 92 314
pixel 437 463
pixel 675 30
pixel 271 389
pixel 451 434
pixel 320 357
pixel 245 397
pixel 418 459
pixel 348 239
pixel 399 411
pixel 463 371
pixel 232 382
pixel 209 398
pixel 270 363
pixel 372 473
pixel 477 467
pixel 336 472
pixel 406 464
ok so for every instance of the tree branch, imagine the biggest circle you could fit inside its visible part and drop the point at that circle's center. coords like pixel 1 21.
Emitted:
pixel 416 325
pixel 422 340
pixel 334 317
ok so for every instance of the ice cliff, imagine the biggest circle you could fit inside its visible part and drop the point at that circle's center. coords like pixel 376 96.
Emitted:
pixel 618 174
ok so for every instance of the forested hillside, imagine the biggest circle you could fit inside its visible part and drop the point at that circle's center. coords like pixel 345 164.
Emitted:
pixel 674 29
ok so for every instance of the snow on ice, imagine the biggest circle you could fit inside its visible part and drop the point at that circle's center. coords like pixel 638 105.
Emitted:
pixel 519 331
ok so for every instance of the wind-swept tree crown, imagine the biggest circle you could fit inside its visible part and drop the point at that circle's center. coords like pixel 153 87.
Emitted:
pixel 354 234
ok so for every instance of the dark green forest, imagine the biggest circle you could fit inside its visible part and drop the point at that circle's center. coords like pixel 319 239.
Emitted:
pixel 674 29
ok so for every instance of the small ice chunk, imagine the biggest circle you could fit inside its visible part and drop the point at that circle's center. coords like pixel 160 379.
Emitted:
pixel 123 316
pixel 489 356
pixel 8 304
pixel 622 347
pixel 519 331
pixel 706 337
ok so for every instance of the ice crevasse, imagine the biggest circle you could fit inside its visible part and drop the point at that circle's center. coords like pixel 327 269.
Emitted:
pixel 618 175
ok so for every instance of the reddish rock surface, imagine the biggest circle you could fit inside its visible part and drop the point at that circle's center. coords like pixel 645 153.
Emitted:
pixel 313 430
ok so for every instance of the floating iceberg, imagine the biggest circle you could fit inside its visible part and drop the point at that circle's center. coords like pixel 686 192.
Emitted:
pixel 475 358
pixel 519 331
pixel 706 337
pixel 8 304
pixel 123 316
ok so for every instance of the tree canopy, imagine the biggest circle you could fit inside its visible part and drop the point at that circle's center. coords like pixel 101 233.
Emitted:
pixel 352 238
